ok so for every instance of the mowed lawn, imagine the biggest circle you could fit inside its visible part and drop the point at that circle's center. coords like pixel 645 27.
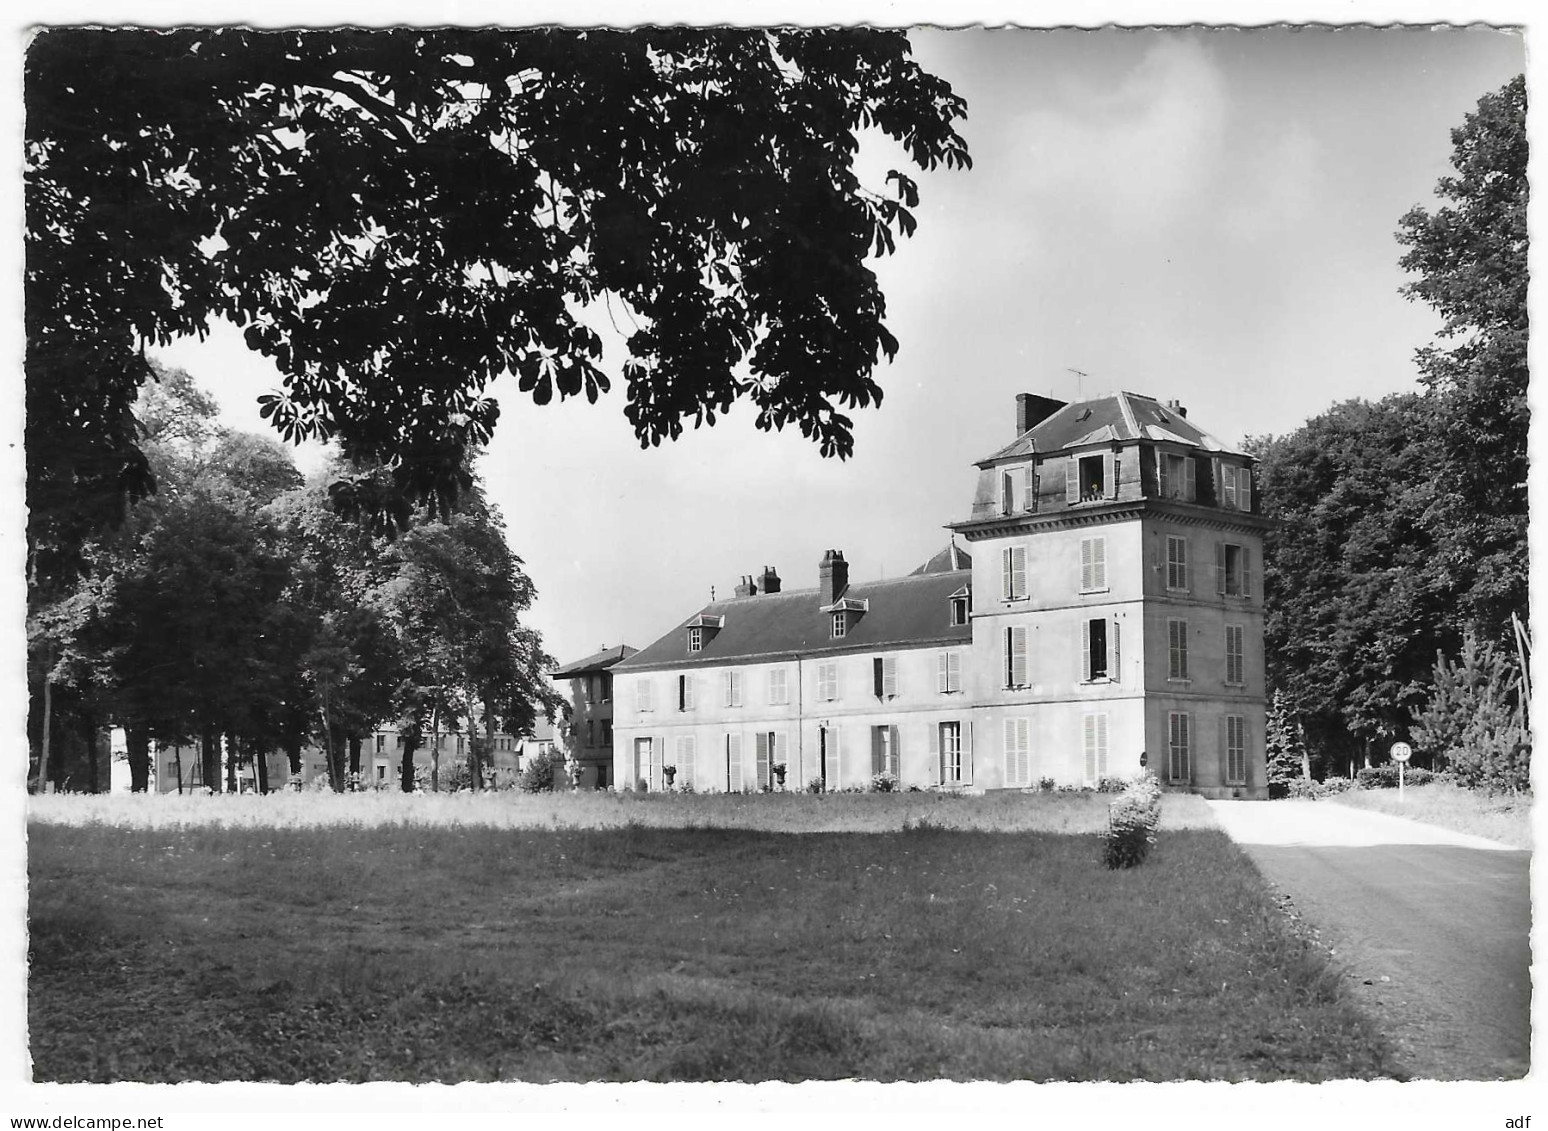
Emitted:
pixel 425 952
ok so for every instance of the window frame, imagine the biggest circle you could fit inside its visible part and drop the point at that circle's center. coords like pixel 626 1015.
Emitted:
pixel 948 672
pixel 1013 573
pixel 1095 730
pixel 1177 650
pixel 1236 634
pixel 1236 751
pixel 1177 563
pixel 780 698
pixel 827 678
pixel 1017 754
pixel 1179 747
pixel 1093 564
pixel 695 639
pixel 1013 632
pixel 840 625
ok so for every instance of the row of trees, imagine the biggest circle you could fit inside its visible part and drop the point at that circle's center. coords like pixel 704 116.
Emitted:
pixel 237 603
pixel 1401 537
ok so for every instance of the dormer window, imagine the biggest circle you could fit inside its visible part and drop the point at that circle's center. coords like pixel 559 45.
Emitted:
pixel 1088 479
pixel 961 607
pixel 701 630
pixel 846 611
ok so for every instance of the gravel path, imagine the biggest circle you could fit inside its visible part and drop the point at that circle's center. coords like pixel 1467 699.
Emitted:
pixel 1432 925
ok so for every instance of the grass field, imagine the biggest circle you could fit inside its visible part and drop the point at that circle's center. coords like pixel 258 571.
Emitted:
pixel 1502 818
pixel 772 812
pixel 444 952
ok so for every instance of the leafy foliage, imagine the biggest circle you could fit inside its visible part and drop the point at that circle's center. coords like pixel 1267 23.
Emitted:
pixel 397 217
pixel 1132 820
pixel 541 773
pixel 1471 258
pixel 1475 721
pixel 1285 755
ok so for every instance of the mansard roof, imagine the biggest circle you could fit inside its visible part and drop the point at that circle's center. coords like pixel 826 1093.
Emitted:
pixel 952 557
pixel 901 612
pixel 596 662
pixel 1116 418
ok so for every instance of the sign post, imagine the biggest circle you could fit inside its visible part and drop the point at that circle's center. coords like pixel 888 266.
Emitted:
pixel 1401 753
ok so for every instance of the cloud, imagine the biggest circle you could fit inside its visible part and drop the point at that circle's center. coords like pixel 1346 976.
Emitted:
pixel 1141 152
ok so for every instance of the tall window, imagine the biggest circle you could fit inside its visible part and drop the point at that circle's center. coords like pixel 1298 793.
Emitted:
pixel 840 625
pixel 950 739
pixel 1179 761
pixel 1231 573
pixel 884 750
pixel 607 687
pixel 1096 746
pixel 642 700
pixel 827 681
pixel 381 743
pixel 1016 656
pixel 1176 562
pixel 591 732
pixel 1086 480
pixel 1099 649
pixel 1235 487
pixel 607 732
pixel 1018 752
pixel 1013 572
pixel 769 749
pixel 948 672
pixel 884 677
pixel 1235 650
pixel 733 763
pixel 1093 564
pixel 686 769
pixel 779 687
pixel 685 692
pixel 1176 648
pixel 731 684
pixel 1236 750
pixel 1011 480
pixel 695 639
pixel 959 611
pixel 1176 475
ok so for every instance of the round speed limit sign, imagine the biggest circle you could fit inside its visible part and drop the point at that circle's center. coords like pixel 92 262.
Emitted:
pixel 1401 752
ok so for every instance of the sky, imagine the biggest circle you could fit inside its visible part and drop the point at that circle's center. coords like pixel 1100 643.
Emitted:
pixel 1200 215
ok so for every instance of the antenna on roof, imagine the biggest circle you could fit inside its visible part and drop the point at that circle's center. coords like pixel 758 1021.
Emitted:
pixel 1079 373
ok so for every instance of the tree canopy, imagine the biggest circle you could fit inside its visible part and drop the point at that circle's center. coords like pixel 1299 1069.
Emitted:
pixel 1471 258
pixel 397 217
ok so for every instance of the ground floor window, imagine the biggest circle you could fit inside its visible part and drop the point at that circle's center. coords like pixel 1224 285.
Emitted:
pixel 1236 750
pixel 951 753
pixel 1096 746
pixel 1179 761
pixel 1018 752
pixel 733 763
pixel 884 750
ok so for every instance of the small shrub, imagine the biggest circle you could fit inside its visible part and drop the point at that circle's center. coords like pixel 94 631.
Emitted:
pixel 1336 785
pixel 914 789
pixel 1386 777
pixel 1046 784
pixel 1132 818
pixel 687 787
pixel 884 783
pixel 814 786
pixel 540 772
pixel 1110 784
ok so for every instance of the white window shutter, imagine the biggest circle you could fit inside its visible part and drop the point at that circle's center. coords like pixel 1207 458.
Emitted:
pixel 1010 752
pixel 1072 480
pixel 1163 481
pixel 1019 655
pixel 1220 568
pixel 733 763
pixel 940 673
pixel 1018 571
pixel 1246 573
pixel 1115 668
pixel 890 676
pixel 1228 486
pixel 1190 483
pixel 1099 563
pixel 967 751
pixel 1030 487
pixel 1244 489
pixel 1112 463
pixel 1085 650
pixel 937 752
pixel 953 671
pixel 1085 563
pixel 1006 585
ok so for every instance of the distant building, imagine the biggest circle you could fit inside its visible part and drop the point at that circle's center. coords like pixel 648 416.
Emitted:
pixel 589 745
pixel 1118 614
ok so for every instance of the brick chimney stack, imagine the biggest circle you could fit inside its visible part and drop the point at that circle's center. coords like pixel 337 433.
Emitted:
pixel 1177 407
pixel 746 588
pixel 1032 410
pixel 832 576
pixel 770 580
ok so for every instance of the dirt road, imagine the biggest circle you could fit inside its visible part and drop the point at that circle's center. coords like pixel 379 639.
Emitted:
pixel 1433 926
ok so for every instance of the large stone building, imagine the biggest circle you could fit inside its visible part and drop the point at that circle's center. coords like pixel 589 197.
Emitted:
pixel 1108 618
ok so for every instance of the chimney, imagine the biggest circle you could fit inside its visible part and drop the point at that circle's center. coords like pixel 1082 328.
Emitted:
pixel 832 576
pixel 1032 410
pixel 770 580
pixel 746 588
pixel 1177 407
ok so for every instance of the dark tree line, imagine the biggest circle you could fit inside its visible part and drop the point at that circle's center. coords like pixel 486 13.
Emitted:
pixel 236 605
pixel 1402 530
